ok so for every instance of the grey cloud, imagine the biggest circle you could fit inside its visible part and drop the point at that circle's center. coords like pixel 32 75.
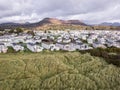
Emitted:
pixel 34 10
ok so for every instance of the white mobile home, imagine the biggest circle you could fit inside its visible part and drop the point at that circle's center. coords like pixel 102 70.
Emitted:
pixel 3 48
pixel 66 47
pixel 82 46
pixel 34 47
pixel 17 47
pixel 97 45
pixel 49 46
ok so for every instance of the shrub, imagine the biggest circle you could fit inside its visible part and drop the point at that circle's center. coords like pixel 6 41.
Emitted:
pixel 57 71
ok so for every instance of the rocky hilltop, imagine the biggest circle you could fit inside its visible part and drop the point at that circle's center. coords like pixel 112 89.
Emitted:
pixel 57 24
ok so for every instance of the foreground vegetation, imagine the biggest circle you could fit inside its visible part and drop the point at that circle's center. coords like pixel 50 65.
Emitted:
pixel 57 71
pixel 111 55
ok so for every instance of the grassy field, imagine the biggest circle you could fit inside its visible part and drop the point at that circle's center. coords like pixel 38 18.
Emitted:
pixel 57 71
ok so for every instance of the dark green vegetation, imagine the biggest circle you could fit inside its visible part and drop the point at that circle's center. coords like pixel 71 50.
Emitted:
pixel 57 71
pixel 17 30
pixel 111 55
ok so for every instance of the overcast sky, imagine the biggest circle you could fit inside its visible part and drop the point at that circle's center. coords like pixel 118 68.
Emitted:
pixel 89 11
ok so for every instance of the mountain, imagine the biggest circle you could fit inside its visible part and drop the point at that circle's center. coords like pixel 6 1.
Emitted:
pixel 61 22
pixel 57 24
pixel 45 21
pixel 110 24
pixel 75 22
pixel 51 21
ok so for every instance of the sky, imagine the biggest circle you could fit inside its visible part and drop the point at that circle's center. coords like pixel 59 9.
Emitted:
pixel 88 11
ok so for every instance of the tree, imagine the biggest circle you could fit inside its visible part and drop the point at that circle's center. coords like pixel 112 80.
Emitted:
pixel 11 31
pixel 19 30
pixel 31 33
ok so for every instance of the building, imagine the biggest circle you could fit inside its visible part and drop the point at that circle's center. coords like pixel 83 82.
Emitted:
pixel 34 48
pixel 3 48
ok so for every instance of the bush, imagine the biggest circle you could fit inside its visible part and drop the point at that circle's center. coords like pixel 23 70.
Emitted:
pixel 31 33
pixel 104 53
pixel 18 30
pixel 57 71
pixel 11 50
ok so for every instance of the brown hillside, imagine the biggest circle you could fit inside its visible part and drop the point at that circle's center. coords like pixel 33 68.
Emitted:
pixel 51 21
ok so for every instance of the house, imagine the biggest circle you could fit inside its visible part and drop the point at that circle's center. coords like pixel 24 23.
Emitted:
pixel 109 44
pixel 6 39
pixel 17 47
pixel 90 41
pixel 66 46
pixel 44 37
pixel 54 48
pixel 59 39
pixel 51 37
pixel 37 40
pixel 66 36
pixel 38 33
pixel 18 39
pixel 75 37
pixel 93 36
pixel 84 37
pixel 116 44
pixel 30 41
pixel 98 45
pixel 66 40
pixel 3 48
pixel 8 44
pixel 78 41
pixel 48 44
pixel 34 48
pixel 36 37
pixel 82 46
pixel 101 40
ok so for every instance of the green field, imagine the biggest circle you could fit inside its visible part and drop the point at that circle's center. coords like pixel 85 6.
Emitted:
pixel 57 71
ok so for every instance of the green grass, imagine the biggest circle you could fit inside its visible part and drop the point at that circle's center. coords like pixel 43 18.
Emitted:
pixel 57 71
